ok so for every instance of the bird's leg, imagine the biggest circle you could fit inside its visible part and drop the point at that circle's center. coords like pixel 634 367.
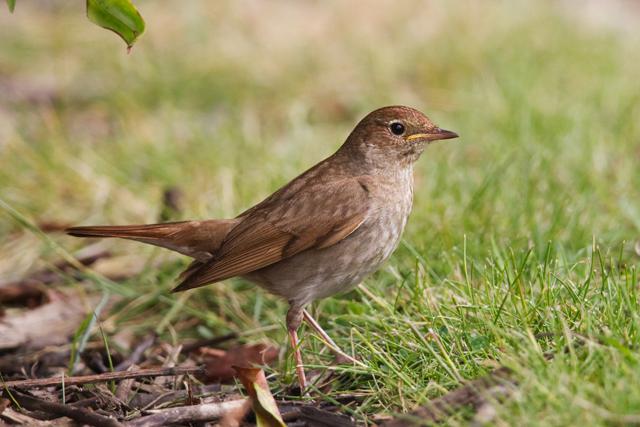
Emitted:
pixel 340 356
pixel 294 319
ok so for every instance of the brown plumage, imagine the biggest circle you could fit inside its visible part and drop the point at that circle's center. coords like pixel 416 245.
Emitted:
pixel 197 239
pixel 321 233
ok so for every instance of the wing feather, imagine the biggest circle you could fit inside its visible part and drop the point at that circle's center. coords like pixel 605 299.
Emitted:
pixel 317 217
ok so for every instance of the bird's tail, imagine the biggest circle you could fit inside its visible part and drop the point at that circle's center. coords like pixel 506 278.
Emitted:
pixel 197 239
pixel 145 231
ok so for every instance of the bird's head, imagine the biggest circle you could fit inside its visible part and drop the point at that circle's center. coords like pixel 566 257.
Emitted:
pixel 394 134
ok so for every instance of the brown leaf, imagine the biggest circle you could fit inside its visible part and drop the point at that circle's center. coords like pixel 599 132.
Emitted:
pixel 219 363
pixel 26 294
pixel 264 406
pixel 49 324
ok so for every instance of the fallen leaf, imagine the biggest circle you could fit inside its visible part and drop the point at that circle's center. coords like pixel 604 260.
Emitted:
pixel 49 324
pixel 26 294
pixel 220 363
pixel 264 406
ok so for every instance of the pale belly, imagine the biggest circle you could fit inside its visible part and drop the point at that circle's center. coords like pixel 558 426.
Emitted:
pixel 315 274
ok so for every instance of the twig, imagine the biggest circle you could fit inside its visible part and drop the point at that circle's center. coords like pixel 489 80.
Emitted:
pixel 107 376
pixel 188 414
pixel 81 415
pixel 319 417
pixel 474 393
pixel 144 401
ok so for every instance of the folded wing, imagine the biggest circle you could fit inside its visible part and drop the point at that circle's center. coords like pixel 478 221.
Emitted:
pixel 314 217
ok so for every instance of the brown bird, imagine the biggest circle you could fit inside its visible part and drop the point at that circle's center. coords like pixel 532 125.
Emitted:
pixel 320 234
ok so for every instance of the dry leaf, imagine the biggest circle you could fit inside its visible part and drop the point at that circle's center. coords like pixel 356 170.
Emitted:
pixel 220 363
pixel 50 324
pixel 264 406
pixel 25 294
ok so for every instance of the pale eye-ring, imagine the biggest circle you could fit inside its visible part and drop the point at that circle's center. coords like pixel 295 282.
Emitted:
pixel 397 128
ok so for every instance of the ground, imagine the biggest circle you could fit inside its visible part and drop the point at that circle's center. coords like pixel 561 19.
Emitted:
pixel 523 247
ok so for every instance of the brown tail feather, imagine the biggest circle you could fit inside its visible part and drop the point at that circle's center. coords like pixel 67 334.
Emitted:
pixel 197 239
pixel 148 231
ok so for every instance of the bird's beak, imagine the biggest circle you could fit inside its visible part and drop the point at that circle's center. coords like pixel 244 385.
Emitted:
pixel 434 135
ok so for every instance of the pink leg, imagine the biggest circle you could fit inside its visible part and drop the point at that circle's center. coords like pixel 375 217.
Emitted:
pixel 340 356
pixel 294 319
pixel 295 344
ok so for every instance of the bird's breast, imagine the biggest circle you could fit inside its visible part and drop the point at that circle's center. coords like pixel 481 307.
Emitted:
pixel 318 273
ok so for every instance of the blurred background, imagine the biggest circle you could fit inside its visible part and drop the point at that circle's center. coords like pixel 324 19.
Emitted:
pixel 227 100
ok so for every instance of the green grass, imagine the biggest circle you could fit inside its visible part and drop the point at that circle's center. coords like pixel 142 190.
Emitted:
pixel 520 249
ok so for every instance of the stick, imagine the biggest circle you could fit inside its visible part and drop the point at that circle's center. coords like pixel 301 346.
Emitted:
pixel 473 394
pixel 81 415
pixel 107 376
pixel 189 414
pixel 144 401
pixel 317 416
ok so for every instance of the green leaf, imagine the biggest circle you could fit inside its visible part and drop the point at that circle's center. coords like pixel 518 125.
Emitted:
pixel 12 5
pixel 119 16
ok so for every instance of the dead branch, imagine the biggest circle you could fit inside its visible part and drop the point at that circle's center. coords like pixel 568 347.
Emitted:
pixel 146 400
pixel 107 376
pixel 319 417
pixel 474 394
pixel 188 414
pixel 81 415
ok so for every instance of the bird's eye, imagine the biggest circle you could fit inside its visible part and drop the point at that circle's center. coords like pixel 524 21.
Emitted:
pixel 397 128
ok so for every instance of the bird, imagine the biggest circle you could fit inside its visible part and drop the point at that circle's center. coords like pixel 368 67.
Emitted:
pixel 320 234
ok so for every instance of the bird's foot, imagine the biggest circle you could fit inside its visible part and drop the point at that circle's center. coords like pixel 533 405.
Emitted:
pixel 340 357
pixel 295 345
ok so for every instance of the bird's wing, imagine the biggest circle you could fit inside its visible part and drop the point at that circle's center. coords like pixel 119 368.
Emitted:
pixel 315 217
